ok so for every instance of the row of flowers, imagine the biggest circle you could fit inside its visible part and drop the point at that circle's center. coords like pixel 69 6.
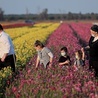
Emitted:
pixel 23 39
pixel 15 25
pixel 64 36
pixel 55 82
pixel 83 30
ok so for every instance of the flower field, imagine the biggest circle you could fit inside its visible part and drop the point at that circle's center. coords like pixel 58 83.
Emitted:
pixel 55 82
pixel 83 30
pixel 23 39
pixel 14 25
pixel 64 36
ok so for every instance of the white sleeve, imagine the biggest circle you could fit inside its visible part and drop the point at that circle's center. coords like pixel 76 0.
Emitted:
pixel 50 54
pixel 7 45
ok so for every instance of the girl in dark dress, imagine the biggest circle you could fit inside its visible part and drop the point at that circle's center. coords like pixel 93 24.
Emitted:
pixel 93 49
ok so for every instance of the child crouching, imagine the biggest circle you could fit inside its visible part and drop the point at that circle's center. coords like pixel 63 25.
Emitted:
pixel 64 59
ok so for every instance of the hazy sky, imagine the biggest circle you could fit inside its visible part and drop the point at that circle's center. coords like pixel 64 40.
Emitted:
pixel 54 6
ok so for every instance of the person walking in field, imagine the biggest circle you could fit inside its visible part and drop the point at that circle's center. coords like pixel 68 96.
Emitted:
pixel 45 56
pixel 93 49
pixel 7 53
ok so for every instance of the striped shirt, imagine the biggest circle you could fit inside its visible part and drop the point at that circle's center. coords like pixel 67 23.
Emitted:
pixel 44 55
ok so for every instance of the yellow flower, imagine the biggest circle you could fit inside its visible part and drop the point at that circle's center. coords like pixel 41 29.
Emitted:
pixel 3 75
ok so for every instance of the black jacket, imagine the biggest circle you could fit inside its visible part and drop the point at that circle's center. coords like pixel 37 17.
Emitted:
pixel 93 49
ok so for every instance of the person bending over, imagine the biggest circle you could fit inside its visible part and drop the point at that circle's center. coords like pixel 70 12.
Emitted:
pixel 45 56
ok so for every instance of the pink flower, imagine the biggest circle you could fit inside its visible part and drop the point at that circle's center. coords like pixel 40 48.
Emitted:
pixel 77 89
pixel 29 71
pixel 14 89
pixel 92 95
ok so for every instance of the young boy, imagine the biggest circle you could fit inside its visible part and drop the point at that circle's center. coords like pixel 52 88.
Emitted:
pixel 64 59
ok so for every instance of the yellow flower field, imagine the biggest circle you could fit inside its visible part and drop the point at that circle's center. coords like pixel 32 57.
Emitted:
pixel 24 38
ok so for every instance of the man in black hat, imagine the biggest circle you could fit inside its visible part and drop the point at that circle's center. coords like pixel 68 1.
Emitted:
pixel 7 53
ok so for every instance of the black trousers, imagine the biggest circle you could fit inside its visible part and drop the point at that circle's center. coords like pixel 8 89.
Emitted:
pixel 94 65
pixel 9 61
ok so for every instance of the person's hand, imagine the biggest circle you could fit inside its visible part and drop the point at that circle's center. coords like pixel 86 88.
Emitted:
pixel 60 64
pixel 50 65
pixel 3 59
pixel 36 68
pixel 82 49
pixel 4 56
pixel 67 61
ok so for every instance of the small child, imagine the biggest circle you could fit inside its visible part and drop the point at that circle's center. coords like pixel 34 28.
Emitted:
pixel 80 59
pixel 64 58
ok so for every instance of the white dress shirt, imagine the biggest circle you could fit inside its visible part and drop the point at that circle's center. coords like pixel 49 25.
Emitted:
pixel 6 45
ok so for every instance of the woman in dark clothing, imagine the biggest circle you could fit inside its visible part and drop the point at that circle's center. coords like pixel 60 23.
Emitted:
pixel 93 49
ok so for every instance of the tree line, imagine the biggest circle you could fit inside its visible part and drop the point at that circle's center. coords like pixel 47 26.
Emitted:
pixel 45 16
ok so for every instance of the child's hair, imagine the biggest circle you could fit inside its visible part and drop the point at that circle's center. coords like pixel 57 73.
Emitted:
pixel 38 43
pixel 80 54
pixel 64 48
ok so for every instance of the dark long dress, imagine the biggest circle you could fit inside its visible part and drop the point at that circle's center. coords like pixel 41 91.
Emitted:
pixel 93 62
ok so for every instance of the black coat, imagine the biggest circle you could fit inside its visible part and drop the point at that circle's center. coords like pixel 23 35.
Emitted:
pixel 93 49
